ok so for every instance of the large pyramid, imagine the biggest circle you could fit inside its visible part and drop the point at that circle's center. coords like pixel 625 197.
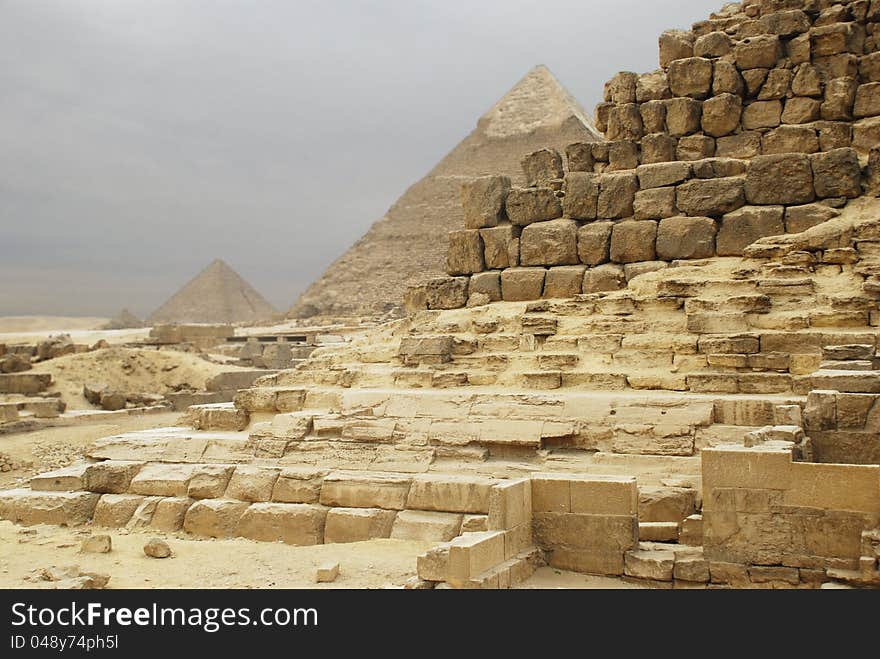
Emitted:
pixel 217 294
pixel 408 244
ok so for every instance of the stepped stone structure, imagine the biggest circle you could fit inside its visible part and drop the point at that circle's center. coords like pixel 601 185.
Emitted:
pixel 216 295
pixel 408 244
pixel 125 319
pixel 652 357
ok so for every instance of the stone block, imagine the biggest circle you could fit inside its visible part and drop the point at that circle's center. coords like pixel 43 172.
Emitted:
pixel 115 510
pixel 426 526
pixel 252 483
pixel 488 284
pixel 837 173
pixel 522 284
pixel 446 292
pixel 695 147
pixel 527 205
pixel 357 524
pixel 549 243
pixel 608 277
pixel 594 241
pixel 170 514
pixel 744 226
pixel 365 490
pixel 653 565
pixel 450 493
pixel 496 245
pixel 464 255
pixel 721 115
pixel 616 195
pixel 167 480
pixel 742 145
pixel 663 174
pixel 790 139
pixel 580 157
pixel 483 199
pixel 298 485
pixel 633 240
pixel 762 114
pixel 686 238
pixel 290 523
pixel 780 179
pixel 208 481
pixel 705 197
pixel 690 77
pixel 655 204
pixel 581 195
pixel 759 52
pixel 683 116
pixel 214 518
pixel 624 123
pixel 674 45
pixel 564 281
pixel 541 167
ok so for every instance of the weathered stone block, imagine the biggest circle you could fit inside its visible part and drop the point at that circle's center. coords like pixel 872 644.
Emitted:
pixel 663 174
pixel 488 284
pixel 465 253
pixel 527 205
pixel 594 241
pixel 633 240
pixel 686 238
pixel 721 115
pixel 744 226
pixel 762 114
pixel 655 204
pixel 702 197
pixel 290 523
pixel 691 77
pixel 564 281
pixel 214 518
pixel 496 245
pixel 608 277
pixel 541 167
pixel 780 179
pixel 357 524
pixel 760 52
pixel 616 195
pixel 522 284
pixel 683 116
pixel 549 243
pixel 581 195
pixel 483 199
pixel 837 173
pixel 446 292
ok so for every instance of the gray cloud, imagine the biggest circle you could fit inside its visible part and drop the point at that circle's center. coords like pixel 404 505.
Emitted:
pixel 140 139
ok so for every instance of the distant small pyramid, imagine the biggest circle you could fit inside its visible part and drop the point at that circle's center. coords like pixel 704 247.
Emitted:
pixel 125 319
pixel 217 294
pixel 408 245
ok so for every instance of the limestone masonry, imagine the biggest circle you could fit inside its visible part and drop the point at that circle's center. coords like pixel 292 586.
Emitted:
pixel 652 357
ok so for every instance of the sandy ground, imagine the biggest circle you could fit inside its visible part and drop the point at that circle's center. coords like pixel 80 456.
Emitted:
pixel 548 578
pixel 12 324
pixel 32 329
pixel 201 563
pixel 51 448
pixel 133 370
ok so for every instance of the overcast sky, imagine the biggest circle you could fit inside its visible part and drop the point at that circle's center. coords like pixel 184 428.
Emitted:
pixel 141 139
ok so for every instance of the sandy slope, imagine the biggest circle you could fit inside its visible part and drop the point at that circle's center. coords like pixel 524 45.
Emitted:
pixel 136 370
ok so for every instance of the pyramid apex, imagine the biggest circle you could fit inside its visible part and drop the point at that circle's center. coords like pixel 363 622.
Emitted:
pixel 218 294
pixel 537 100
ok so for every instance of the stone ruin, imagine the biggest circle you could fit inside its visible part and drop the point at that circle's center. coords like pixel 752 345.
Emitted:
pixel 656 360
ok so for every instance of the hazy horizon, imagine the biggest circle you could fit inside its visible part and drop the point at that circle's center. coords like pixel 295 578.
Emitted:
pixel 142 139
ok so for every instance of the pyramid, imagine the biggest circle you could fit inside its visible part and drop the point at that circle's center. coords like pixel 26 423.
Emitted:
pixel 408 245
pixel 217 294
pixel 125 319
